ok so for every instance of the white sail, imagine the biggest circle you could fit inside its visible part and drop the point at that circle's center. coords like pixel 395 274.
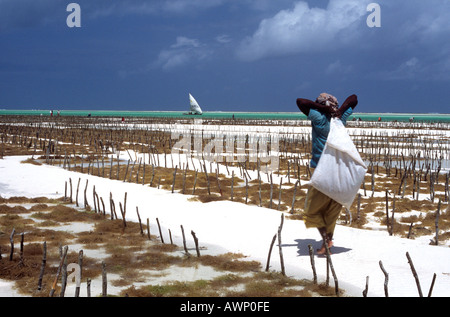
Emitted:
pixel 195 108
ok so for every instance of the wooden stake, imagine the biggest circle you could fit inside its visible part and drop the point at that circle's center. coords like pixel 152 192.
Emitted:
pixel 85 197
pixel 246 189
pixel 126 172
pixel 232 184
pixel 44 261
pixel 311 256
pixel 78 278
pixel 148 229
pixel 104 280
pixel 160 232
pixel 195 183
pixel 196 243
pixel 21 249
pixel 432 285
pixel 366 290
pixel 280 249
pixel 330 263
pixel 76 196
pixel 174 177
pixel 271 190
pixel 270 252
pixel 416 277
pixel 207 179
pixel 123 215
pixel 259 190
pixel 279 193
pixel 63 278
pixel 386 279
pixel 88 287
pixel 103 206
pixel 93 198
pixel 139 218
pixel 436 222
pixel 409 230
pixel 58 272
pixel 184 241
pixel 11 240
pixel 70 183
pixel 184 181
pixel 387 214
pixel 218 182
pixel 293 198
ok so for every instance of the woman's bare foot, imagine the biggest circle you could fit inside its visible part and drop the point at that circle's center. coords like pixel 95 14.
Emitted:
pixel 323 250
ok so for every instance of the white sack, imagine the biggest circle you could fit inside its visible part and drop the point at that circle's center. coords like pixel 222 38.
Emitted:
pixel 340 171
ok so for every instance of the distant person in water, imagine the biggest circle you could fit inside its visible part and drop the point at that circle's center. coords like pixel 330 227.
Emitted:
pixel 321 211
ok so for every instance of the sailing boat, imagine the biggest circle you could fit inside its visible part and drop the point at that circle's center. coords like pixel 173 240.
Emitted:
pixel 195 108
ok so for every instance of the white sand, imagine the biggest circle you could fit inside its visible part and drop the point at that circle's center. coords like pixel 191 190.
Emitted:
pixel 226 226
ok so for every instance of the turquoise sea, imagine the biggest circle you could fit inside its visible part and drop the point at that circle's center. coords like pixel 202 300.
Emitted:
pixel 401 117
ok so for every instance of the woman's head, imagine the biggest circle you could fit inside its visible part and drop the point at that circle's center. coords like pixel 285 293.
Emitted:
pixel 328 100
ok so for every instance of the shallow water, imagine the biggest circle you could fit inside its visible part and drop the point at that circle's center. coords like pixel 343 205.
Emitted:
pixel 401 117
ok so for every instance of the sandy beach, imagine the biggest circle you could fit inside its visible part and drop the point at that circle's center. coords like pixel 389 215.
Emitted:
pixel 234 207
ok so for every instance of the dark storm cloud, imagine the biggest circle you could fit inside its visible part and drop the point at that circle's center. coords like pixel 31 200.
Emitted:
pixel 250 54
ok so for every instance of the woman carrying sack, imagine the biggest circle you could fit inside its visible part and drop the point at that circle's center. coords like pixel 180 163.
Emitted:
pixel 322 211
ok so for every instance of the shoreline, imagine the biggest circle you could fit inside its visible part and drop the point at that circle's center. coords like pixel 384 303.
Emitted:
pixel 236 115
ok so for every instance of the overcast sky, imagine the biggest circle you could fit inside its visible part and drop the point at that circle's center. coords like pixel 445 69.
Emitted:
pixel 232 55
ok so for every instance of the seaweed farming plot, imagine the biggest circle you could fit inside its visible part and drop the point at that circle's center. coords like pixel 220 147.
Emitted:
pixel 405 192
pixel 264 165
pixel 110 257
pixel 422 148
